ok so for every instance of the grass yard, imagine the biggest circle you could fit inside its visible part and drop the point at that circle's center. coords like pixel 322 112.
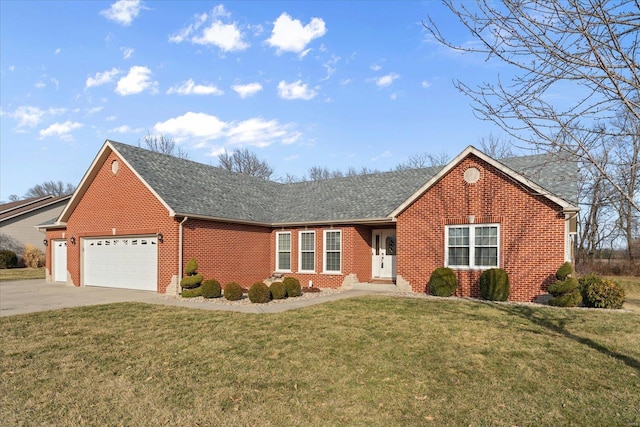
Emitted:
pixel 375 361
pixel 25 273
pixel 631 287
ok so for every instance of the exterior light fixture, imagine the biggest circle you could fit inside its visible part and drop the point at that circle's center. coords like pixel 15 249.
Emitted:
pixel 45 242
pixel 73 240
pixel 160 237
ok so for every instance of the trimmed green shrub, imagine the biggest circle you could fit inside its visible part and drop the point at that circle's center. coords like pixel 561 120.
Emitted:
pixel 211 289
pixel 570 299
pixel 191 282
pixel 191 293
pixel 259 293
pixel 494 284
pixel 278 290
pixel 443 282
pixel 191 268
pixel 233 291
pixel 601 293
pixel 563 286
pixel 565 292
pixel 8 259
pixel 293 287
pixel 564 271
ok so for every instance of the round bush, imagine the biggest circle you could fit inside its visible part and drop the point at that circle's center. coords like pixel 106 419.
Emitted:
pixel 259 293
pixel 602 293
pixel 211 289
pixel 569 299
pixel 293 287
pixel 191 268
pixel 563 286
pixel 233 291
pixel 494 284
pixel 443 282
pixel 278 290
pixel 564 271
pixel 8 259
pixel 191 293
pixel 191 282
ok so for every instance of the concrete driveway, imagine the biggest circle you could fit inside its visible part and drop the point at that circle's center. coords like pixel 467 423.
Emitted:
pixel 29 296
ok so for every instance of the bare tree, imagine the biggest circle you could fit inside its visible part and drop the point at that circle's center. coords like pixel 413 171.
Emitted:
pixel 496 147
pixel 588 47
pixel 424 160
pixel 50 188
pixel 163 144
pixel 246 162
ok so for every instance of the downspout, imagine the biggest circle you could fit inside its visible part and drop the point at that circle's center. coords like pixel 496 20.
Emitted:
pixel 180 238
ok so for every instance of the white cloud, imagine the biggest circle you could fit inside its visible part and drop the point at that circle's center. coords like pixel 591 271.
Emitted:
pixel 123 12
pixel 376 67
pixel 383 155
pixel 295 90
pixel 137 80
pixel 127 52
pixel 198 125
pixel 256 132
pixel 247 90
pixel 94 110
pixel 40 85
pixel 61 130
pixel 330 66
pixel 190 88
pixel 386 80
pixel 125 129
pixel 289 35
pixel 28 116
pixel 57 51
pixel 226 36
pixel 101 78
pixel 425 84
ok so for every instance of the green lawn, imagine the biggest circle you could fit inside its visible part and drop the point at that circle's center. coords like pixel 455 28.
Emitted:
pixel 375 361
pixel 22 273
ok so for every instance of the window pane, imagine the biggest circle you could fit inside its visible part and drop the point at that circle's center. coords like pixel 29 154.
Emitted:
pixel 458 256
pixel 284 261
pixel 333 241
pixel 307 261
pixel 487 236
pixel 486 257
pixel 284 241
pixel 333 261
pixel 306 242
pixel 459 236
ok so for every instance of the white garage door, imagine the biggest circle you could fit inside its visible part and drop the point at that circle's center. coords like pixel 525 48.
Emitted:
pixel 59 260
pixel 121 262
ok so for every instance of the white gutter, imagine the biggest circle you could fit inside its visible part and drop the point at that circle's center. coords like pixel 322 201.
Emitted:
pixel 180 234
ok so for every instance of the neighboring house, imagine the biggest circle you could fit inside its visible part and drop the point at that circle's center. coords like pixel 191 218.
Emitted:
pixel 18 221
pixel 137 217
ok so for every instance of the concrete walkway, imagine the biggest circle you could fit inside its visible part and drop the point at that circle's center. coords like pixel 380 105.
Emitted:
pixel 29 296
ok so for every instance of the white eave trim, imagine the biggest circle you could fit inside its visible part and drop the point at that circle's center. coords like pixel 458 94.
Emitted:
pixel 566 207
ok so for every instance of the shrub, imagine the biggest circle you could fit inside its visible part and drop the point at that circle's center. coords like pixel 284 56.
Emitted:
pixel 494 284
pixel 191 268
pixel 32 256
pixel 601 293
pixel 563 286
pixel 278 290
pixel 191 282
pixel 564 271
pixel 8 259
pixel 443 282
pixel 565 292
pixel 191 293
pixel 571 299
pixel 211 289
pixel 233 291
pixel 259 293
pixel 293 287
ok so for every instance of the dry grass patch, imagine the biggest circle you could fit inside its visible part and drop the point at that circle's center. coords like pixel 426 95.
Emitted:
pixel 374 361
pixel 26 273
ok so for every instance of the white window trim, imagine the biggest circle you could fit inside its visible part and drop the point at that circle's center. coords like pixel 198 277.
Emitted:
pixel 300 233
pixel 472 235
pixel 324 252
pixel 278 251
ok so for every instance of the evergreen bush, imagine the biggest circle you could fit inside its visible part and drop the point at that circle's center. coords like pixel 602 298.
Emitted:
pixel 259 293
pixel 232 291
pixel 601 293
pixel 494 284
pixel 278 290
pixel 211 289
pixel 443 282
pixel 565 291
pixel 293 287
pixel 191 293
pixel 191 268
pixel 563 286
pixel 564 271
pixel 191 282
pixel 8 259
pixel 570 299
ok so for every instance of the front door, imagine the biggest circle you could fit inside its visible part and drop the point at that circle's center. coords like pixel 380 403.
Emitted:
pixel 383 251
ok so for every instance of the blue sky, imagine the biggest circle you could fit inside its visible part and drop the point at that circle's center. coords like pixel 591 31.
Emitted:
pixel 301 84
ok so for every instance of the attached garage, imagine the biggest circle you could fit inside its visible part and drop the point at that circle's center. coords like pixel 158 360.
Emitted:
pixel 59 260
pixel 129 262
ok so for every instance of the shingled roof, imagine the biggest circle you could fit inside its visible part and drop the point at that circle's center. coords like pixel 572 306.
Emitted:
pixel 189 188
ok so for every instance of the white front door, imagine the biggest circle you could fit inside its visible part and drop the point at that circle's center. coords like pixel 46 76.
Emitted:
pixel 383 251
pixel 59 260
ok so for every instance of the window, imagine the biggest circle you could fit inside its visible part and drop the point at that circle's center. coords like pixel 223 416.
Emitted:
pixel 307 251
pixel 283 251
pixel 472 245
pixel 332 251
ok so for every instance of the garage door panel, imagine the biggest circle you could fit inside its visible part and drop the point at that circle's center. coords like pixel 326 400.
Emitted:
pixel 123 262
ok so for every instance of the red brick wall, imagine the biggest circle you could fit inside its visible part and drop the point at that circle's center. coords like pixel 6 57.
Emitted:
pixel 531 231
pixel 228 252
pixel 356 255
pixel 122 202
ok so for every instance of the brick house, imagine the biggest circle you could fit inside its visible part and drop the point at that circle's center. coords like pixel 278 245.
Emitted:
pixel 138 216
